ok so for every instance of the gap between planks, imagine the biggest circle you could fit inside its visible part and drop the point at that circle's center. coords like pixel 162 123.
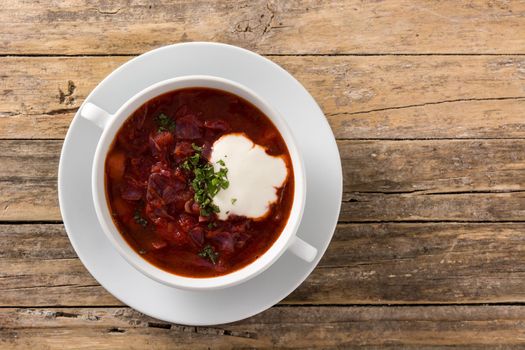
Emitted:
pixel 294 305
pixel 362 54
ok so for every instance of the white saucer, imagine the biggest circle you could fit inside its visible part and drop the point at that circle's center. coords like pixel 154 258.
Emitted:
pixel 323 172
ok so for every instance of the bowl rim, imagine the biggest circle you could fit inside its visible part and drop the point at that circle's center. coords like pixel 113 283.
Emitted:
pixel 249 271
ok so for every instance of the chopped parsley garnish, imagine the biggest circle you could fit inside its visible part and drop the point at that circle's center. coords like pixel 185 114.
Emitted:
pixel 165 123
pixel 209 253
pixel 207 182
pixel 192 162
pixel 139 219
pixel 234 200
pixel 211 225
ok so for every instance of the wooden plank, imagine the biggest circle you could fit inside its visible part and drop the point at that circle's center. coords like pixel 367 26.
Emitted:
pixel 450 180
pixel 453 119
pixel 28 180
pixel 280 27
pixel 363 97
pixel 41 104
pixel 435 327
pixel 364 264
pixel 426 167
pixel 431 180
pixel 39 267
pixel 462 207
pixel 419 263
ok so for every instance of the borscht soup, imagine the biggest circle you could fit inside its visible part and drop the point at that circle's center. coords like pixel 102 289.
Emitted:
pixel 199 182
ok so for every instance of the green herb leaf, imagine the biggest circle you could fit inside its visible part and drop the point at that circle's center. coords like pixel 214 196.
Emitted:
pixel 139 219
pixel 234 200
pixel 206 182
pixel 209 253
pixel 165 123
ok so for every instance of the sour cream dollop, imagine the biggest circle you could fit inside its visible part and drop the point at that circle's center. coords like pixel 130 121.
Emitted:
pixel 254 177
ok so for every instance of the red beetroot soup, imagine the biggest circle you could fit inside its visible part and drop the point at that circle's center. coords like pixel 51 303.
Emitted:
pixel 150 186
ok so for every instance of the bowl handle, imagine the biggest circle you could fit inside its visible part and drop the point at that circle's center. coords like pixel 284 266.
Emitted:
pixel 302 249
pixel 95 114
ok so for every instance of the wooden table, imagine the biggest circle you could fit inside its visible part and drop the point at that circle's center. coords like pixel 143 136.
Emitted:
pixel 427 101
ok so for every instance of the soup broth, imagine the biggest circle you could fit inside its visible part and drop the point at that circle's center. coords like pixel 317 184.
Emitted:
pixel 160 183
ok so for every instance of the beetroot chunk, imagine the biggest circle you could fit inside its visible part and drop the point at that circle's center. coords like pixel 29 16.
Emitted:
pixel 182 151
pixel 188 127
pixel 218 125
pixel 132 193
pixel 161 144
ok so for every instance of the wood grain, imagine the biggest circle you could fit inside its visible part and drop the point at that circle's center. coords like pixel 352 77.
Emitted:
pixel 436 327
pixel 278 27
pixel 380 97
pixel 364 264
pixel 409 180
pixel 427 101
pixel 28 180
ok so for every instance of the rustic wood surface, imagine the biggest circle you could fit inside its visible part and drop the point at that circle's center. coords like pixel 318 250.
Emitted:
pixel 427 102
